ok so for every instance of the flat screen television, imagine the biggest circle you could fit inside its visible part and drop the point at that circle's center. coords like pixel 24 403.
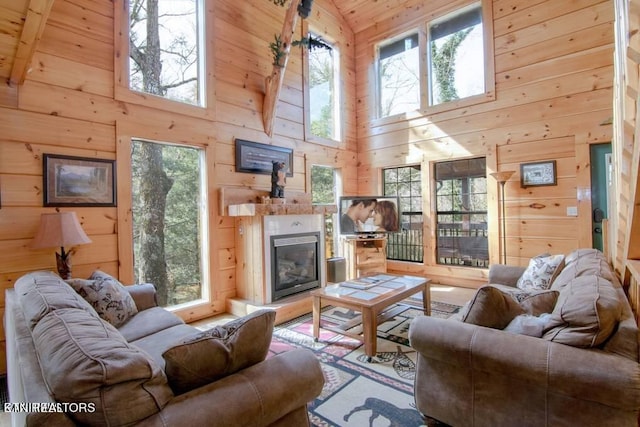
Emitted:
pixel 369 215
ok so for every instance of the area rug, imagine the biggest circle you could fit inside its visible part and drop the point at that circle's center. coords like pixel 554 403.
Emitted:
pixel 358 393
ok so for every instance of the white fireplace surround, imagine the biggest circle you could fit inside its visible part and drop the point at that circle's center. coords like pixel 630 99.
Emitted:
pixel 277 225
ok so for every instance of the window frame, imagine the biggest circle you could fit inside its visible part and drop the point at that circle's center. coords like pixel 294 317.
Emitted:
pixel 421 26
pixel 339 89
pixel 122 92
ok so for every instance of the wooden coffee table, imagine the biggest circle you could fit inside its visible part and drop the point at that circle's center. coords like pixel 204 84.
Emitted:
pixel 373 304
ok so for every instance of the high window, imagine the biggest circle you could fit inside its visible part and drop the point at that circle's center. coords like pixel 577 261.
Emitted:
pixel 406 183
pixel 165 49
pixel 324 113
pixel 461 213
pixel 441 63
pixel 169 220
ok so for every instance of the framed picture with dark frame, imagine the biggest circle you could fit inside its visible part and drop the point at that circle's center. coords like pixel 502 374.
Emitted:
pixel 253 157
pixel 538 174
pixel 78 181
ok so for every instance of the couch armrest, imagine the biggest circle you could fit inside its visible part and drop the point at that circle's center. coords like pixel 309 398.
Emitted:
pixel 253 397
pixel 585 374
pixel 502 274
pixel 144 295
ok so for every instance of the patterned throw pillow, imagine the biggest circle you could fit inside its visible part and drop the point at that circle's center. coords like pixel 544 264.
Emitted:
pixel 541 272
pixel 223 350
pixel 107 296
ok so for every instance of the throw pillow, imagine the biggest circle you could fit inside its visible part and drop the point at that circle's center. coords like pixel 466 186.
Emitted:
pixel 491 308
pixel 210 355
pixel 541 272
pixel 107 296
pixel 536 303
pixel 586 314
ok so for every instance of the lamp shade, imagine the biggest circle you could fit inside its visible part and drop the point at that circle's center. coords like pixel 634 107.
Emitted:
pixel 502 176
pixel 59 229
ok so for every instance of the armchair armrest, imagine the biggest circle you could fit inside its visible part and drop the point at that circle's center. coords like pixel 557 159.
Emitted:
pixel 586 374
pixel 253 397
pixel 144 295
pixel 502 274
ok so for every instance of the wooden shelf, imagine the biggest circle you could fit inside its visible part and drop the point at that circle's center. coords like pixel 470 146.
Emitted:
pixel 245 202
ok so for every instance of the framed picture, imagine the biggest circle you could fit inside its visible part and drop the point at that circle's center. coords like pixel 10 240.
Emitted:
pixel 78 181
pixel 538 174
pixel 253 157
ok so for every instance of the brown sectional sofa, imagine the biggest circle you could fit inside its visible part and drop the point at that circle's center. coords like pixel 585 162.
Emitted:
pixel 59 351
pixel 581 371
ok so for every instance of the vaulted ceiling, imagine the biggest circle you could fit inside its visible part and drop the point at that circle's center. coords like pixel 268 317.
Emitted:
pixel 20 33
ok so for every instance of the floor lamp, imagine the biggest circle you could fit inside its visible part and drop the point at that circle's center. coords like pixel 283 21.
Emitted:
pixel 503 177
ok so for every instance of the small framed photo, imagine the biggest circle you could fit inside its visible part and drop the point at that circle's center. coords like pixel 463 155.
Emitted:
pixel 253 157
pixel 538 174
pixel 78 181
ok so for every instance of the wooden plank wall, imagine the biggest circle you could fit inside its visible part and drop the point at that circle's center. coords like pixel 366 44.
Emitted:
pixel 68 105
pixel 554 76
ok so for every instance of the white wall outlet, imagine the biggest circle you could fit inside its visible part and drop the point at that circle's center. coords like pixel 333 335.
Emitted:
pixel 572 211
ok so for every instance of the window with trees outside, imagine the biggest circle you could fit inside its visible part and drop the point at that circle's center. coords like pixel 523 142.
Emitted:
pixel 169 220
pixel 417 72
pixel 461 213
pixel 323 192
pixel 406 183
pixel 165 55
pixel 324 115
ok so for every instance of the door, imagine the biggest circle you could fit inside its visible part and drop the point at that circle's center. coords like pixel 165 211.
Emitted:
pixel 600 185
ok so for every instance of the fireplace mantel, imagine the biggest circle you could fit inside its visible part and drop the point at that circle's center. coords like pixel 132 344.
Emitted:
pixel 236 201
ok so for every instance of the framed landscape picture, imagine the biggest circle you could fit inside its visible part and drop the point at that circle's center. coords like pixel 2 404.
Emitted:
pixel 78 181
pixel 538 174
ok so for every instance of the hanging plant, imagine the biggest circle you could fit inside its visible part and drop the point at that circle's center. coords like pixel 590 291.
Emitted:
pixel 277 46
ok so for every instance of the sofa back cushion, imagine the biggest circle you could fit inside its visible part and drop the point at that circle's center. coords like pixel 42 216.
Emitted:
pixel 85 360
pixel 490 307
pixel 583 262
pixel 41 292
pixel 586 314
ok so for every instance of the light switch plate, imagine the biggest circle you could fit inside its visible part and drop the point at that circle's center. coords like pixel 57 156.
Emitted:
pixel 572 211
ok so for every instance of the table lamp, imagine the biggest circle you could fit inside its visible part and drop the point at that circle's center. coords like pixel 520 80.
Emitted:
pixel 60 229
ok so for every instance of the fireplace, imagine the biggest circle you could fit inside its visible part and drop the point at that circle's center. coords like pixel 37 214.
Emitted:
pixel 294 254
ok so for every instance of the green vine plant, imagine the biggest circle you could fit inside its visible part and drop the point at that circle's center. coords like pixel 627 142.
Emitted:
pixel 277 47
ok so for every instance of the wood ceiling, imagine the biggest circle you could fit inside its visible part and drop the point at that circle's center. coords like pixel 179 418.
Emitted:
pixel 23 22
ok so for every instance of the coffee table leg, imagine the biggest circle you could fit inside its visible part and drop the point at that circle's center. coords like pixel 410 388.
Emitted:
pixel 369 326
pixel 316 318
pixel 426 298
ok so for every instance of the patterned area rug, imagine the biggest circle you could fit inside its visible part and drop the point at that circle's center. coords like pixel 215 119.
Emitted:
pixel 356 392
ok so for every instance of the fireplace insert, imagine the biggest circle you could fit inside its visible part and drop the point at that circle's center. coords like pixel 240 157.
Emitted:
pixel 295 260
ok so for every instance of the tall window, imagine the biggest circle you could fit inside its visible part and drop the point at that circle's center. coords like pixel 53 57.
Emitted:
pixel 456 55
pixel 399 76
pixel 324 192
pixel 406 182
pixel 324 90
pixel 169 220
pixel 165 49
pixel 461 213
pixel 417 72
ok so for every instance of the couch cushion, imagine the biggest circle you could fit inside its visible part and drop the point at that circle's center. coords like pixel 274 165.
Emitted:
pixel 157 343
pixel 85 360
pixel 107 296
pixel 491 307
pixel 587 312
pixel 148 322
pixel 210 355
pixel 583 262
pixel 41 292
pixel 541 272
pixel 534 302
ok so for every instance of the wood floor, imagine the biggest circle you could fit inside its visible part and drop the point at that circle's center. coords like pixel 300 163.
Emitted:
pixel 441 293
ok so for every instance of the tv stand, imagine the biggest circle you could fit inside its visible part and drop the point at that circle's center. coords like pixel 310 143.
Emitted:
pixel 365 255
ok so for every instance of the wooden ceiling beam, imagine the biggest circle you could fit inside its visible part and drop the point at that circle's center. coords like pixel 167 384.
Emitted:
pixel 34 23
pixel 273 83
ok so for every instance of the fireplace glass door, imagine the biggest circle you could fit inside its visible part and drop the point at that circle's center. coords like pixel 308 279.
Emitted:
pixel 294 263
